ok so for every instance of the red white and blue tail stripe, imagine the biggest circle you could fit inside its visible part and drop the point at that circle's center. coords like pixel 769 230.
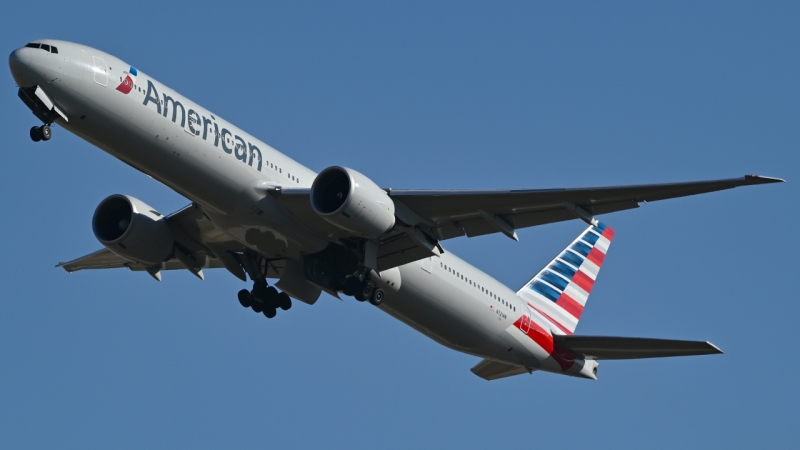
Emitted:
pixel 559 291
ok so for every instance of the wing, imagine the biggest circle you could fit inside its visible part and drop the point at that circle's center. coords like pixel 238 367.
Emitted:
pixel 200 243
pixel 474 213
pixel 429 216
pixel 606 347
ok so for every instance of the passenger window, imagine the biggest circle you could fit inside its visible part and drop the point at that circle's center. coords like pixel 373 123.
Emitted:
pixel 45 47
pixel 53 50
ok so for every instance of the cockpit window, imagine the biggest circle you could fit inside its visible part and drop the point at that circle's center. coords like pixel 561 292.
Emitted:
pixel 45 47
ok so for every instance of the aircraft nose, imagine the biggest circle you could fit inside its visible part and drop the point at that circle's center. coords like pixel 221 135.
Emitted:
pixel 19 61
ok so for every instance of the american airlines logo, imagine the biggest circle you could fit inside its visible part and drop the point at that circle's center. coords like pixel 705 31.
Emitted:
pixel 198 125
pixel 127 84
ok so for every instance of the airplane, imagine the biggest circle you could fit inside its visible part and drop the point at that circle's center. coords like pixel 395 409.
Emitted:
pixel 263 216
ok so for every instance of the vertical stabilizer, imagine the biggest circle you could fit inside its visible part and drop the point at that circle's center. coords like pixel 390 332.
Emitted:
pixel 559 291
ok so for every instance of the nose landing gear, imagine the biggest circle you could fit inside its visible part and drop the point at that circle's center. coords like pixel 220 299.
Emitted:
pixel 42 133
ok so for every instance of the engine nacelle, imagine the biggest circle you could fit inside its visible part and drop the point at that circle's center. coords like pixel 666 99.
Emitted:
pixel 351 201
pixel 133 230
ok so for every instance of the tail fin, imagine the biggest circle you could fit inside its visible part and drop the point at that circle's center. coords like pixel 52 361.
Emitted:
pixel 559 291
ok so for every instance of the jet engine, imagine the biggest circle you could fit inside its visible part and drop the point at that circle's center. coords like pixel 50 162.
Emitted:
pixel 352 201
pixel 133 230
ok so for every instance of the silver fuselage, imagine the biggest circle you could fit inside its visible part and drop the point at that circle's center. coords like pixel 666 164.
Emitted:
pixel 210 161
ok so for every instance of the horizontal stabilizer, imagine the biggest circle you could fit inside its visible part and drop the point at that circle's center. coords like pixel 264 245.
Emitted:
pixel 493 370
pixel 609 347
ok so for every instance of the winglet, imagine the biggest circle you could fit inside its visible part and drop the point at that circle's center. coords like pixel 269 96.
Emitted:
pixel 758 179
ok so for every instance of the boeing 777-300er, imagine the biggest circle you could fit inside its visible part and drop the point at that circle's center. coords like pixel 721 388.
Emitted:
pixel 261 215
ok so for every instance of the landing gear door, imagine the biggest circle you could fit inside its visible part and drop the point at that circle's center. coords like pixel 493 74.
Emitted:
pixel 100 70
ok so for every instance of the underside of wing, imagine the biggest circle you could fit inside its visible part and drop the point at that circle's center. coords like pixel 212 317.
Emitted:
pixel 608 347
pixel 101 259
pixel 452 213
pixel 493 370
pixel 425 217
pixel 401 245
pixel 198 243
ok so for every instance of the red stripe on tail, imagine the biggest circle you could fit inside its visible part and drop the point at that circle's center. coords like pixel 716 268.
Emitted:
pixel 583 280
pixel 570 305
pixel 596 256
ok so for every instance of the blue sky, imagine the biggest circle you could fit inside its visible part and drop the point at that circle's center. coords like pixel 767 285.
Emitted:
pixel 421 95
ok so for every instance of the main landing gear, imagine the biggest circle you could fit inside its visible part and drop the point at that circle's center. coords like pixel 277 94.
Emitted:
pixel 42 133
pixel 264 299
pixel 363 290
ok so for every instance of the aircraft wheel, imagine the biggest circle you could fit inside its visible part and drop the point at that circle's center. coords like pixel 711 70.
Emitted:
pixel 257 306
pixel 364 291
pixel 269 313
pixel 351 286
pixel 36 135
pixel 271 298
pixel 244 298
pixel 45 132
pixel 377 297
pixel 284 301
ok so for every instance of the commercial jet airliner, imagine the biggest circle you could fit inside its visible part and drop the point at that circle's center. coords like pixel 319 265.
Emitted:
pixel 261 215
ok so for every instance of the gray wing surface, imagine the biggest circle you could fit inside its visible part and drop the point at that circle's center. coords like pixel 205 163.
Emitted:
pixel 195 235
pixel 458 213
pixel 608 347
pixel 425 217
pixel 429 216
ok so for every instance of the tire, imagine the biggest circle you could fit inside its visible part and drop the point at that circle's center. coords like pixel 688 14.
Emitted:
pixel 257 306
pixel 377 297
pixel 364 291
pixel 244 298
pixel 271 298
pixel 45 132
pixel 36 136
pixel 260 291
pixel 284 301
pixel 269 313
pixel 351 286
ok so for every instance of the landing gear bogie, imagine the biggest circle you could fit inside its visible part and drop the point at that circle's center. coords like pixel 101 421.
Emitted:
pixel 264 299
